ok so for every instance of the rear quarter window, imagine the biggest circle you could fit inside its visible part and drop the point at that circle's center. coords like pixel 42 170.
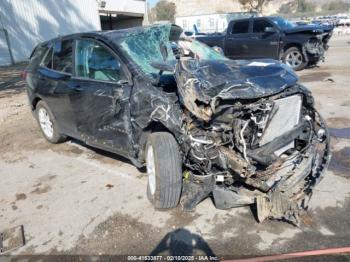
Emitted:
pixel 37 56
pixel 60 57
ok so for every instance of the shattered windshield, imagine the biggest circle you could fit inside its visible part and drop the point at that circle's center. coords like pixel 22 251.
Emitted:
pixel 151 45
pixel 201 51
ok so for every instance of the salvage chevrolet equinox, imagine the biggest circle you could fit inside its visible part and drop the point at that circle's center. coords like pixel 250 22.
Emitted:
pixel 242 132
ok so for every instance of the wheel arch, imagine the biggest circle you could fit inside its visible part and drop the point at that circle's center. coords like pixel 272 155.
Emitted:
pixel 289 45
pixel 154 126
pixel 34 102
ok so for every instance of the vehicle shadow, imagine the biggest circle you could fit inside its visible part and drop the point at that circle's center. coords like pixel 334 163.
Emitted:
pixel 107 154
pixel 15 85
pixel 181 242
pixel 10 79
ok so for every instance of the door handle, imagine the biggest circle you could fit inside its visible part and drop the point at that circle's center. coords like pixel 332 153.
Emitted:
pixel 77 88
pixel 254 37
pixel 274 43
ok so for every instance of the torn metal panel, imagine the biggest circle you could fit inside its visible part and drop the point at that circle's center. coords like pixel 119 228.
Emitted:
pixel 277 206
pixel 195 190
pixel 202 83
pixel 225 198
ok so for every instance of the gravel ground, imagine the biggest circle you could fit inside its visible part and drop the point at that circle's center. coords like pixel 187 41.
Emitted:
pixel 72 199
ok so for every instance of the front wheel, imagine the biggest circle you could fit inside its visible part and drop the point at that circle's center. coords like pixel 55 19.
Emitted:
pixel 164 169
pixel 294 58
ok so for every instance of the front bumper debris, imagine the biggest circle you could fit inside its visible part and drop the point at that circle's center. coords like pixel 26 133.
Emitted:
pixel 284 196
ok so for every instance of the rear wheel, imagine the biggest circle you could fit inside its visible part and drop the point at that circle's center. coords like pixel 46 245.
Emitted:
pixel 164 169
pixel 294 58
pixel 48 124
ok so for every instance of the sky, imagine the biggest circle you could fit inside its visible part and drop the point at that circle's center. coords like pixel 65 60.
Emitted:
pixel 152 3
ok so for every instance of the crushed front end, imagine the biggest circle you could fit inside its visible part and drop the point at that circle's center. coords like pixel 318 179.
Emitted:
pixel 247 130
pixel 257 141
pixel 315 48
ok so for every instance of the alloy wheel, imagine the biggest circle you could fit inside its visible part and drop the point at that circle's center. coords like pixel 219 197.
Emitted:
pixel 294 59
pixel 45 122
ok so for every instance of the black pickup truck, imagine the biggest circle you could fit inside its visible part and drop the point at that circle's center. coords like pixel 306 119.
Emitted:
pixel 272 37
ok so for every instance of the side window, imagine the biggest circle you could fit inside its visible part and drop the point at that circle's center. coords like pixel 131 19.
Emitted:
pixel 94 61
pixel 59 57
pixel 48 59
pixel 240 27
pixel 37 56
pixel 260 25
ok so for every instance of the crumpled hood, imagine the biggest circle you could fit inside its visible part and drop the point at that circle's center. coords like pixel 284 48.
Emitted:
pixel 319 29
pixel 202 82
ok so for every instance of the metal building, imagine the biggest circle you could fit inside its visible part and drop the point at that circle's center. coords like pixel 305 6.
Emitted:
pixel 119 14
pixel 210 23
pixel 25 23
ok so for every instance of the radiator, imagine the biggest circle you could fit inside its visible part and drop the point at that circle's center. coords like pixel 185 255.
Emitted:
pixel 285 119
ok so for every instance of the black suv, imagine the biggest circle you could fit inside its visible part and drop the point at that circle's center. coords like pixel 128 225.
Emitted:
pixel 243 132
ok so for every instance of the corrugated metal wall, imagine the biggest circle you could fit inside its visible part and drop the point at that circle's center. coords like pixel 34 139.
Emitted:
pixel 30 22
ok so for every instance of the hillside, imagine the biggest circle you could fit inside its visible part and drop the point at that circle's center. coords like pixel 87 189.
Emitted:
pixel 198 7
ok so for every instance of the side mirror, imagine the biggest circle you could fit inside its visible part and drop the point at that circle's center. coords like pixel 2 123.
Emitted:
pixel 218 49
pixel 163 66
pixel 270 30
pixel 122 82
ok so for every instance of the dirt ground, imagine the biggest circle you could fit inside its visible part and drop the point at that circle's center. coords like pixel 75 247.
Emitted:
pixel 72 199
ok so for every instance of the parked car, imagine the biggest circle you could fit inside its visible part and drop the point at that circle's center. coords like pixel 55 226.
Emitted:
pixel 272 37
pixel 243 132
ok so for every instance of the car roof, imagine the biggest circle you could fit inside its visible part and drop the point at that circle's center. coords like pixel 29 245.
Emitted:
pixel 253 18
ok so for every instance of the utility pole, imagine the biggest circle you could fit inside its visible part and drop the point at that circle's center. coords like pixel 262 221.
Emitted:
pixel 146 15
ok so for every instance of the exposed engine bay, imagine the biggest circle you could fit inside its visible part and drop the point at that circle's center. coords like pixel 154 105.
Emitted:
pixel 268 151
pixel 255 152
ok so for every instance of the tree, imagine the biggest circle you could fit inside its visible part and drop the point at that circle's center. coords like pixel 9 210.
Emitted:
pixel 336 5
pixel 165 11
pixel 288 8
pixel 305 6
pixel 253 5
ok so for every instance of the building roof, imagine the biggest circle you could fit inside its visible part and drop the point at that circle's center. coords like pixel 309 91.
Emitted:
pixel 118 36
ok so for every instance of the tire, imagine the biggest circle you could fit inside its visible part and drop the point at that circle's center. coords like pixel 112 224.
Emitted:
pixel 300 61
pixel 165 171
pixel 44 117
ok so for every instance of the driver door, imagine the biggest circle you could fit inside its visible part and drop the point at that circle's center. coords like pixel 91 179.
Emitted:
pixel 100 101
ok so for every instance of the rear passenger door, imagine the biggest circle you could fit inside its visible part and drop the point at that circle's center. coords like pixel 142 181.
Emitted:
pixel 263 44
pixel 102 86
pixel 53 79
pixel 236 44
